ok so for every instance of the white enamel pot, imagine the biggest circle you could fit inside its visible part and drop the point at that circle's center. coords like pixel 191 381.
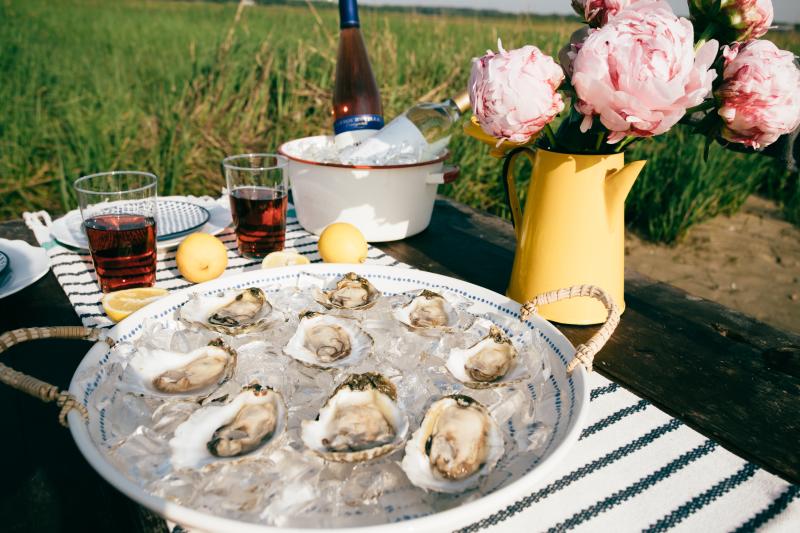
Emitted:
pixel 385 203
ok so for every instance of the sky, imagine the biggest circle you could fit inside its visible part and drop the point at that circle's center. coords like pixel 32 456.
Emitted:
pixel 785 10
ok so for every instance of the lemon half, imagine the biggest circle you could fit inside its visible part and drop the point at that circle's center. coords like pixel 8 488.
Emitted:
pixel 284 258
pixel 120 304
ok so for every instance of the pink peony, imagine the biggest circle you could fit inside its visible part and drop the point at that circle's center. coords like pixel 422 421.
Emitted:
pixel 640 73
pixel 514 93
pixel 597 12
pixel 740 20
pixel 760 94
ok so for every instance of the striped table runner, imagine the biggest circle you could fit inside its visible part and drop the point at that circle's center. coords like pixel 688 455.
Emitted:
pixel 634 469
pixel 75 271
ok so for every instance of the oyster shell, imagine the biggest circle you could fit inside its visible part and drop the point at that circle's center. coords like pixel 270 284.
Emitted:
pixel 328 341
pixel 457 443
pixel 491 362
pixel 427 310
pixel 156 372
pixel 360 421
pixel 252 419
pixel 351 292
pixel 232 312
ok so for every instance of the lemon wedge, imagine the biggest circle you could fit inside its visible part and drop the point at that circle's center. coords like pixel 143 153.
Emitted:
pixel 120 304
pixel 284 258
pixel 342 243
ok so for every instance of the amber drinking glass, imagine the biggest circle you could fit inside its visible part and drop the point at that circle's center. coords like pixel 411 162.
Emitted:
pixel 258 190
pixel 119 216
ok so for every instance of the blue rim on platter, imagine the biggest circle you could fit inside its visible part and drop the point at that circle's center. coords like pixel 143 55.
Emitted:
pixel 176 218
pixel 562 400
pixel 4 263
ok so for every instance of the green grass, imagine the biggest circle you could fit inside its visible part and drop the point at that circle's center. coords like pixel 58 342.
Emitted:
pixel 172 87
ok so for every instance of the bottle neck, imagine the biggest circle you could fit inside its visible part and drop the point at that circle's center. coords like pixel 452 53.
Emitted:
pixel 460 103
pixel 452 109
pixel 348 14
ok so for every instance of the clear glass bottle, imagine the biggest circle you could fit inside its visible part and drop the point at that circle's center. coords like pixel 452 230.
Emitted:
pixel 421 132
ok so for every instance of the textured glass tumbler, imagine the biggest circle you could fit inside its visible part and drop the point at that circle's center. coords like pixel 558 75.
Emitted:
pixel 259 194
pixel 119 216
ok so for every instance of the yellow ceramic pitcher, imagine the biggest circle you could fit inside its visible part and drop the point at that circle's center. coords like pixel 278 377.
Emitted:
pixel 572 231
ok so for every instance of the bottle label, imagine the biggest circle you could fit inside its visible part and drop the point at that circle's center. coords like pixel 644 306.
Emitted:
pixel 358 122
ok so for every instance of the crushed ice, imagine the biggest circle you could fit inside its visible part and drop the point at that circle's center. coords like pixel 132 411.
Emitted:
pixel 323 150
pixel 285 485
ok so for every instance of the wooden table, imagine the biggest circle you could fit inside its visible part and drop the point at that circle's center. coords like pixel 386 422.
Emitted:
pixel 728 376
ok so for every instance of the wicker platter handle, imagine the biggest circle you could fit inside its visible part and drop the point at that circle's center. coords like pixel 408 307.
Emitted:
pixel 38 388
pixel 584 353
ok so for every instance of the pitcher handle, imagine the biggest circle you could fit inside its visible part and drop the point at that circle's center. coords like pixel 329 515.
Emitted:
pixel 36 387
pixel 584 353
pixel 512 198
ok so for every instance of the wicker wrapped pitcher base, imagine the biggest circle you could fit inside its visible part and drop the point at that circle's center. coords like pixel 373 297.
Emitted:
pixel 584 353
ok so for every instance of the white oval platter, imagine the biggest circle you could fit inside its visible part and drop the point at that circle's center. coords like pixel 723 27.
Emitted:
pixel 564 402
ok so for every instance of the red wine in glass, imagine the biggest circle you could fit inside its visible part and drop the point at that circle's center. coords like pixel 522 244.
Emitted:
pixel 123 249
pixel 259 217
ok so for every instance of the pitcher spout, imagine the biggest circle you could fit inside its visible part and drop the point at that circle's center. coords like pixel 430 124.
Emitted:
pixel 618 185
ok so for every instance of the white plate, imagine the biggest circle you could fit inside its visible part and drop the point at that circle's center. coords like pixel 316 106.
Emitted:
pixel 562 406
pixel 3 264
pixel 27 264
pixel 67 229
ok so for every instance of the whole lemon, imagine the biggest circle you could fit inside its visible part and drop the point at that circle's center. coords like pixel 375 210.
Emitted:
pixel 342 243
pixel 201 257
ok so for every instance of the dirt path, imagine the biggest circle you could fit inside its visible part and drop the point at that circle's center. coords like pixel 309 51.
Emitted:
pixel 750 262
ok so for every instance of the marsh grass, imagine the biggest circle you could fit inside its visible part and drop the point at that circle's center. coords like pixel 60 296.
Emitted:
pixel 172 87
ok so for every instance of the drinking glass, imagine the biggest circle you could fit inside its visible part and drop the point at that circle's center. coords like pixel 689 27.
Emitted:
pixel 259 192
pixel 119 215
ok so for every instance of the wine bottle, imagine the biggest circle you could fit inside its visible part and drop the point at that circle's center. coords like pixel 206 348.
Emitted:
pixel 357 110
pixel 424 130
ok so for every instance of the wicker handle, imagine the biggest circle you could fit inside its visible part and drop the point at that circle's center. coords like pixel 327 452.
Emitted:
pixel 35 387
pixel 584 353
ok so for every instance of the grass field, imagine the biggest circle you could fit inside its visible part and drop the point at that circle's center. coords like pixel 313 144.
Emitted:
pixel 172 87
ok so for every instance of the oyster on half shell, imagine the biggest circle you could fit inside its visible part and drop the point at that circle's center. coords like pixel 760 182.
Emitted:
pixel 427 310
pixel 360 421
pixel 491 362
pixel 457 443
pixel 231 312
pixel 328 341
pixel 156 372
pixel 217 431
pixel 351 292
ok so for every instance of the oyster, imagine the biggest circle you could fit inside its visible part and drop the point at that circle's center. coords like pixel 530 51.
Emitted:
pixel 490 362
pixel 232 312
pixel 360 421
pixel 457 443
pixel 254 417
pixel 164 373
pixel 351 292
pixel 428 310
pixel 328 341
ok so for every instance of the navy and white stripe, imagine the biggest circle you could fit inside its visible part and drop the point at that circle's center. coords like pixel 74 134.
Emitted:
pixel 3 263
pixel 75 271
pixel 637 469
